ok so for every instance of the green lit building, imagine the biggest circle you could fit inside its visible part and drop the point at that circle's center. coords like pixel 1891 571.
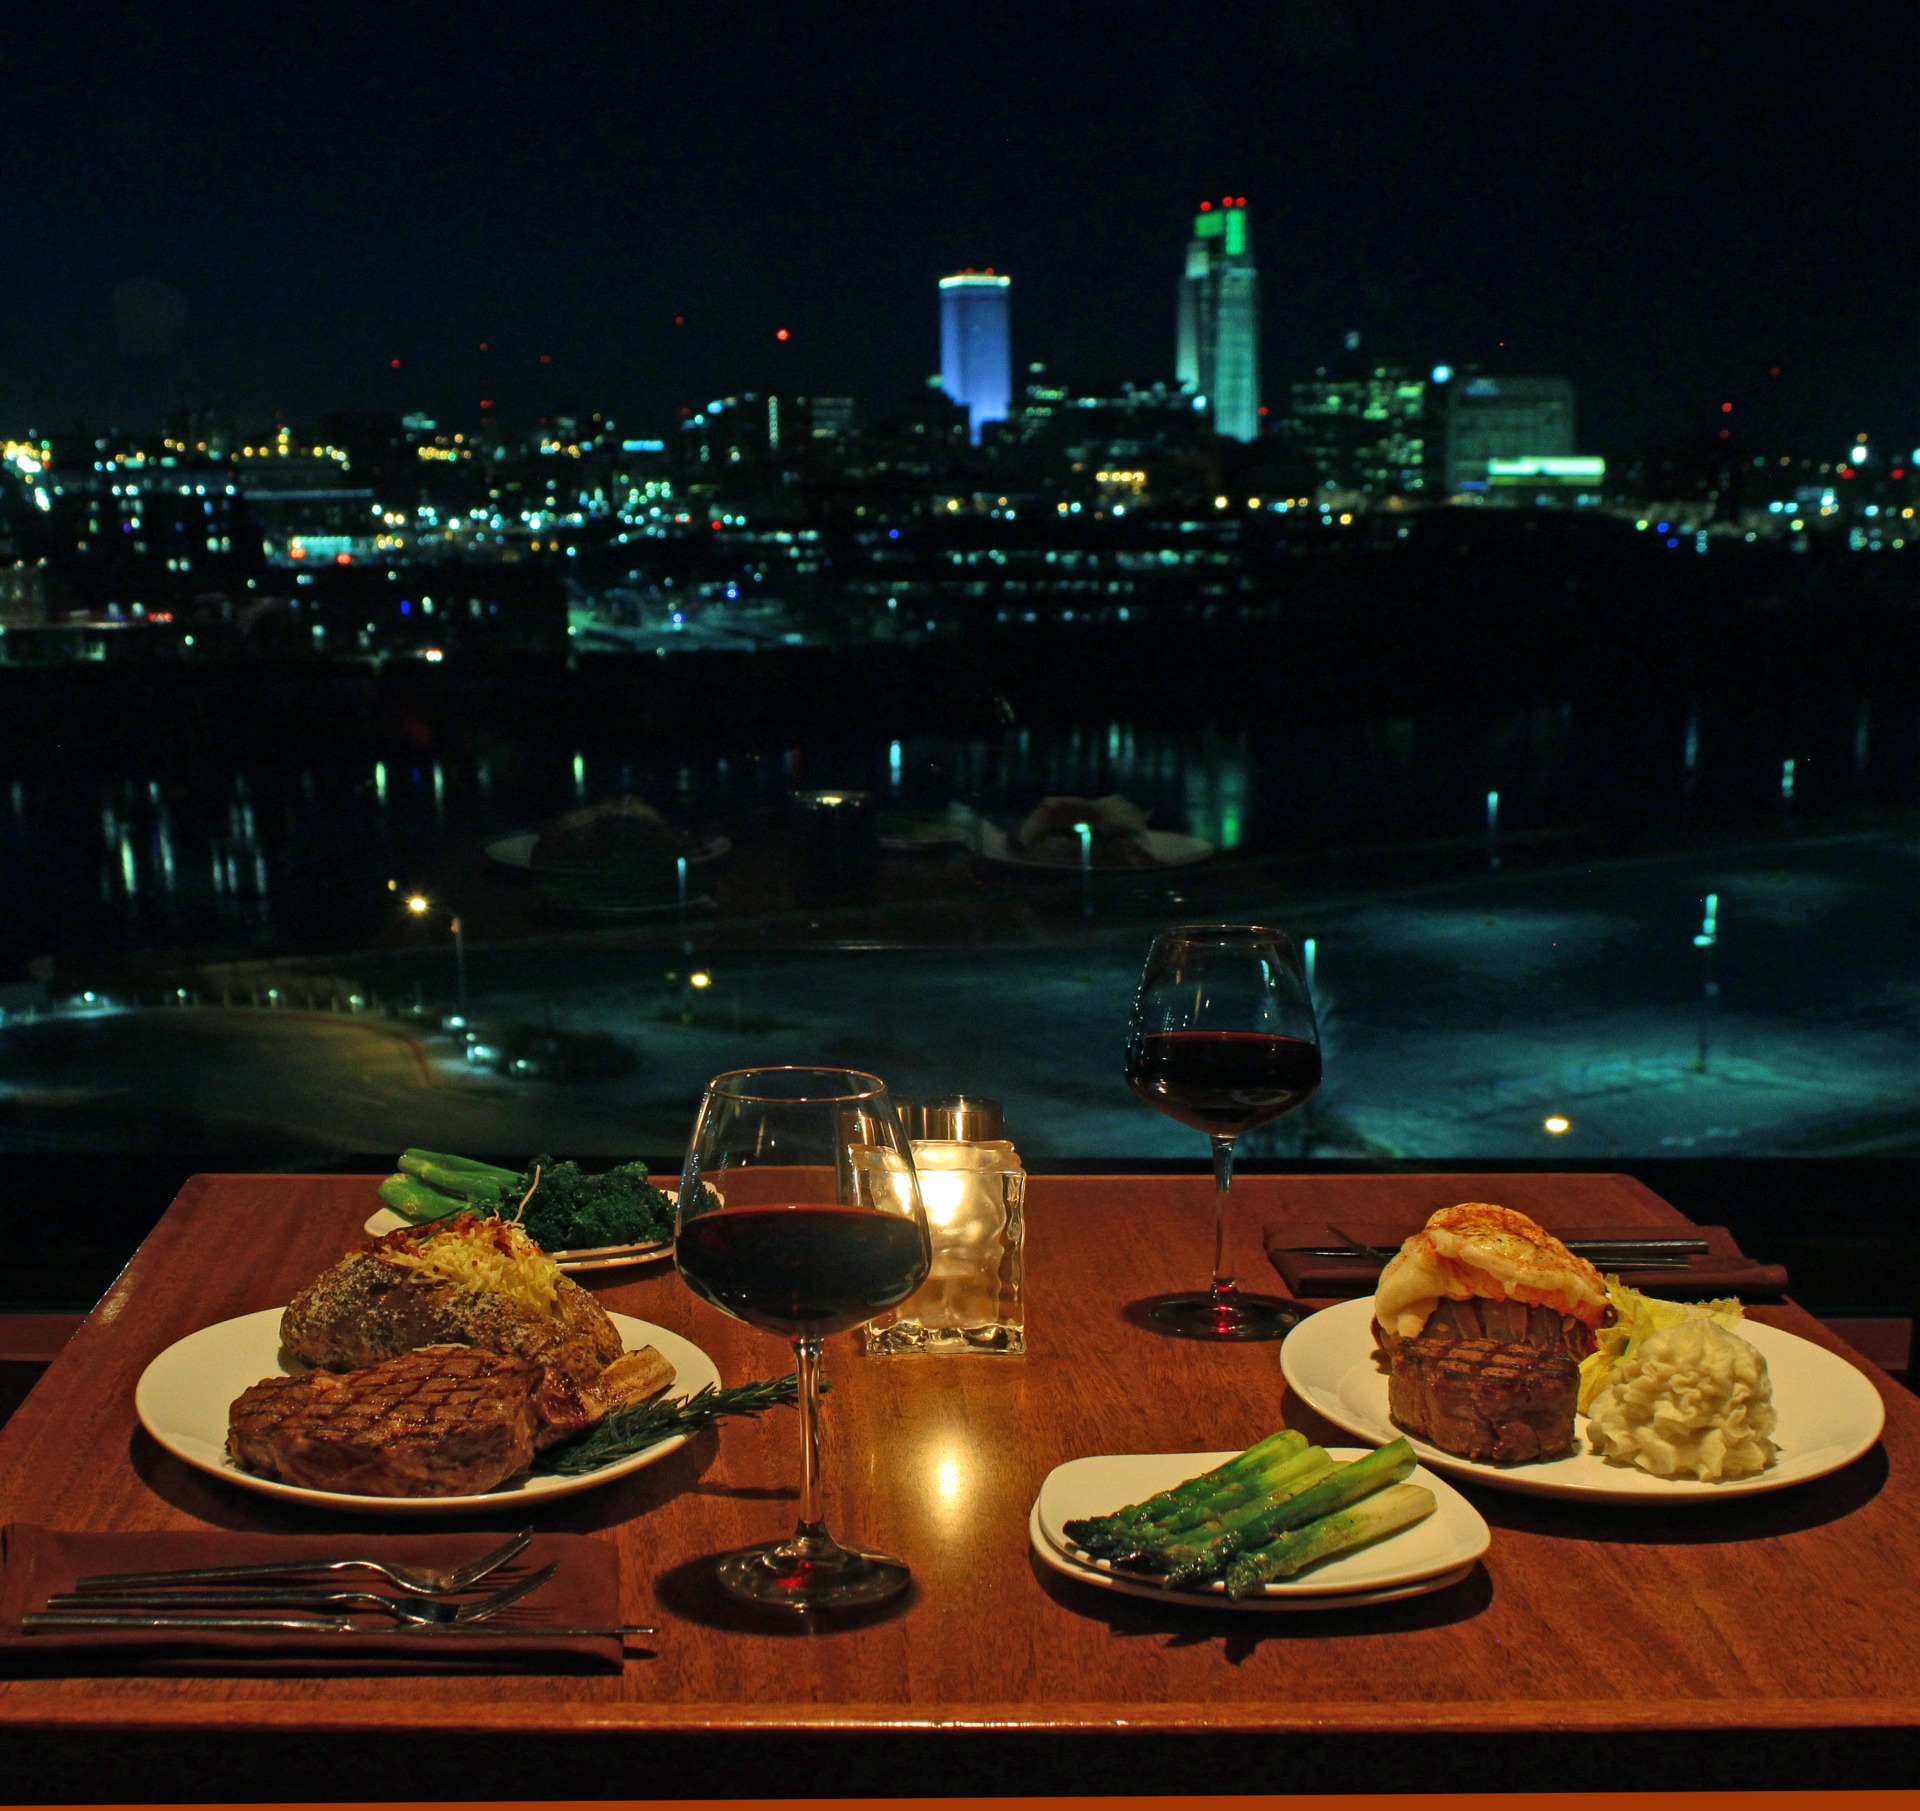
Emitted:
pixel 1365 431
pixel 1508 419
pixel 1218 351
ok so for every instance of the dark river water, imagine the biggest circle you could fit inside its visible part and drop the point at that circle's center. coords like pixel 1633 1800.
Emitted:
pixel 241 819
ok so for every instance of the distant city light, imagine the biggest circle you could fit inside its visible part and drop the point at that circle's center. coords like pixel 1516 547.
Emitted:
pixel 782 334
pixel 417 903
pixel 700 979
pixel 1442 374
pixel 1555 1124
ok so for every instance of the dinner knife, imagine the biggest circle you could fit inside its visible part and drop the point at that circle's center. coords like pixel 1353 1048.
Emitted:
pixel 1656 1249
pixel 1630 1257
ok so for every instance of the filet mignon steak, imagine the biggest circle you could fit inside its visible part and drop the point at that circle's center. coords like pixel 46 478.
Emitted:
pixel 1503 1401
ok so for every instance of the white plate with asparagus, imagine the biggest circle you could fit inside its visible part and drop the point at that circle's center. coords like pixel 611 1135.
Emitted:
pixel 1281 1526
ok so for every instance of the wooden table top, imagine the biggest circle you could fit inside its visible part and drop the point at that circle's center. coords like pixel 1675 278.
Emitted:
pixel 1782 1631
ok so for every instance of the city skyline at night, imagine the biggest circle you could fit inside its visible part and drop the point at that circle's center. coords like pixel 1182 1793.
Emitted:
pixel 1672 210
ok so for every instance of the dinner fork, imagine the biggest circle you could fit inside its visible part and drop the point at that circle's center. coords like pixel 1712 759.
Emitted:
pixel 415 1581
pixel 54 1621
pixel 418 1611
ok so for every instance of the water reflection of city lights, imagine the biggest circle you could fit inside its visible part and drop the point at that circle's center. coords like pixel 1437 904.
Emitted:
pixel 1556 1124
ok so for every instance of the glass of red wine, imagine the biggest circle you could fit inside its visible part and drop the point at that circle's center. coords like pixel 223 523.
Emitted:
pixel 800 1213
pixel 1223 1040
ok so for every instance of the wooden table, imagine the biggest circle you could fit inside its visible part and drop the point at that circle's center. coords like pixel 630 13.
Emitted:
pixel 1777 1637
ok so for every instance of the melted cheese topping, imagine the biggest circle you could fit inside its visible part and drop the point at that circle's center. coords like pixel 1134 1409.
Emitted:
pixel 488 1256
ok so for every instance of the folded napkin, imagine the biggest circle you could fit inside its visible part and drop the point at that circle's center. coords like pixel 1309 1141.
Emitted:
pixel 36 1561
pixel 1722 1269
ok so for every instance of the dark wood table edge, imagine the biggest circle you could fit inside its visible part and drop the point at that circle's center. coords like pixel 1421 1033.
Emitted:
pixel 291 1764
pixel 370 1717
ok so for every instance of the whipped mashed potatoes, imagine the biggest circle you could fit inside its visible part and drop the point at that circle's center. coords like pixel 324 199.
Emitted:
pixel 1690 1401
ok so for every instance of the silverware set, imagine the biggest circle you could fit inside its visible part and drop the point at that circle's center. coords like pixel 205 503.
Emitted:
pixel 1651 1253
pixel 292 1595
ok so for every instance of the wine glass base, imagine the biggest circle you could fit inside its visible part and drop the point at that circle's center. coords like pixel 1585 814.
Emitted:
pixel 1236 1316
pixel 823 1576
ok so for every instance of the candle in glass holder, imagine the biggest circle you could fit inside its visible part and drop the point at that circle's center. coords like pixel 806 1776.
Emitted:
pixel 974 1195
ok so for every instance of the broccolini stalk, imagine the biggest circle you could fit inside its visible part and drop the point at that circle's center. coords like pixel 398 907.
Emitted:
pixel 1384 1513
pixel 418 1201
pixel 480 1183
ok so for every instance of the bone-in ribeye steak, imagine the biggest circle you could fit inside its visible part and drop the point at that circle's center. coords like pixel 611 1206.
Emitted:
pixel 443 1421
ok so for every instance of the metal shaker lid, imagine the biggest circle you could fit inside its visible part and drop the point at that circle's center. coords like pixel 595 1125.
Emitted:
pixel 970 1118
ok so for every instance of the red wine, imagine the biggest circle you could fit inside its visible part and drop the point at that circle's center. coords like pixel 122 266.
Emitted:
pixel 1224 1082
pixel 810 1269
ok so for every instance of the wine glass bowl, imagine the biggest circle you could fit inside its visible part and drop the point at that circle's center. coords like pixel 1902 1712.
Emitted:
pixel 800 1213
pixel 1223 1039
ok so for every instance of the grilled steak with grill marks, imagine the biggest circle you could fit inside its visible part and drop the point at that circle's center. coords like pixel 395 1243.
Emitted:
pixel 444 1421
pixel 1504 1401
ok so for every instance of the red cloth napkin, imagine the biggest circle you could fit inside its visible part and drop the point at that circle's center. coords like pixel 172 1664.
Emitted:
pixel 1722 1269
pixel 36 1561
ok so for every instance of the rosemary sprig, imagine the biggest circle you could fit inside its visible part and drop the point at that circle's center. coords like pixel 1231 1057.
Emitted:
pixel 627 1431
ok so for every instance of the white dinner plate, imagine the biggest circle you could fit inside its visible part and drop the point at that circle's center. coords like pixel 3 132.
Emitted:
pixel 1429 1556
pixel 184 1395
pixel 1168 848
pixel 1829 1414
pixel 386 1220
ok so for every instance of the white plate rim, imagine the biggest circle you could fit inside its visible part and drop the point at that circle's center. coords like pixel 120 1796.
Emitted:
pixel 1145 1473
pixel 1318 1366
pixel 208 1361
pixel 384 1220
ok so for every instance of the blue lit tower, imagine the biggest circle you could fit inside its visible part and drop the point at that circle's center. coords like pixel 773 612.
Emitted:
pixel 1218 355
pixel 976 351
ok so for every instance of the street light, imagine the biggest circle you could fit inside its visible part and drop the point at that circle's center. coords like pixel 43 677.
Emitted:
pixel 1704 941
pixel 420 905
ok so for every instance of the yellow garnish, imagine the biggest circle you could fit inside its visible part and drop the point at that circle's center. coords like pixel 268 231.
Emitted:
pixel 1637 1316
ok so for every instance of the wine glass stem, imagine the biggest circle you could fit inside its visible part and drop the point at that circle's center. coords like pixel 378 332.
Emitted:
pixel 806 1361
pixel 1222 1181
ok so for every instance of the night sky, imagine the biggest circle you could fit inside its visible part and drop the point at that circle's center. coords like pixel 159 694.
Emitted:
pixel 258 208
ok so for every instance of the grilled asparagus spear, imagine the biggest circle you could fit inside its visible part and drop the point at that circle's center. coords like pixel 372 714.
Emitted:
pixel 1385 1512
pixel 1197 1555
pixel 1108 1534
pixel 1344 1485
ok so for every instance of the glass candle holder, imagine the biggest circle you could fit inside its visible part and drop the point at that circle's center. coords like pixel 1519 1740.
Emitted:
pixel 975 1197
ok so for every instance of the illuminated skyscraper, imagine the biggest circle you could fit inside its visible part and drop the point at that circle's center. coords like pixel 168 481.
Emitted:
pixel 1505 418
pixel 976 348
pixel 1219 342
